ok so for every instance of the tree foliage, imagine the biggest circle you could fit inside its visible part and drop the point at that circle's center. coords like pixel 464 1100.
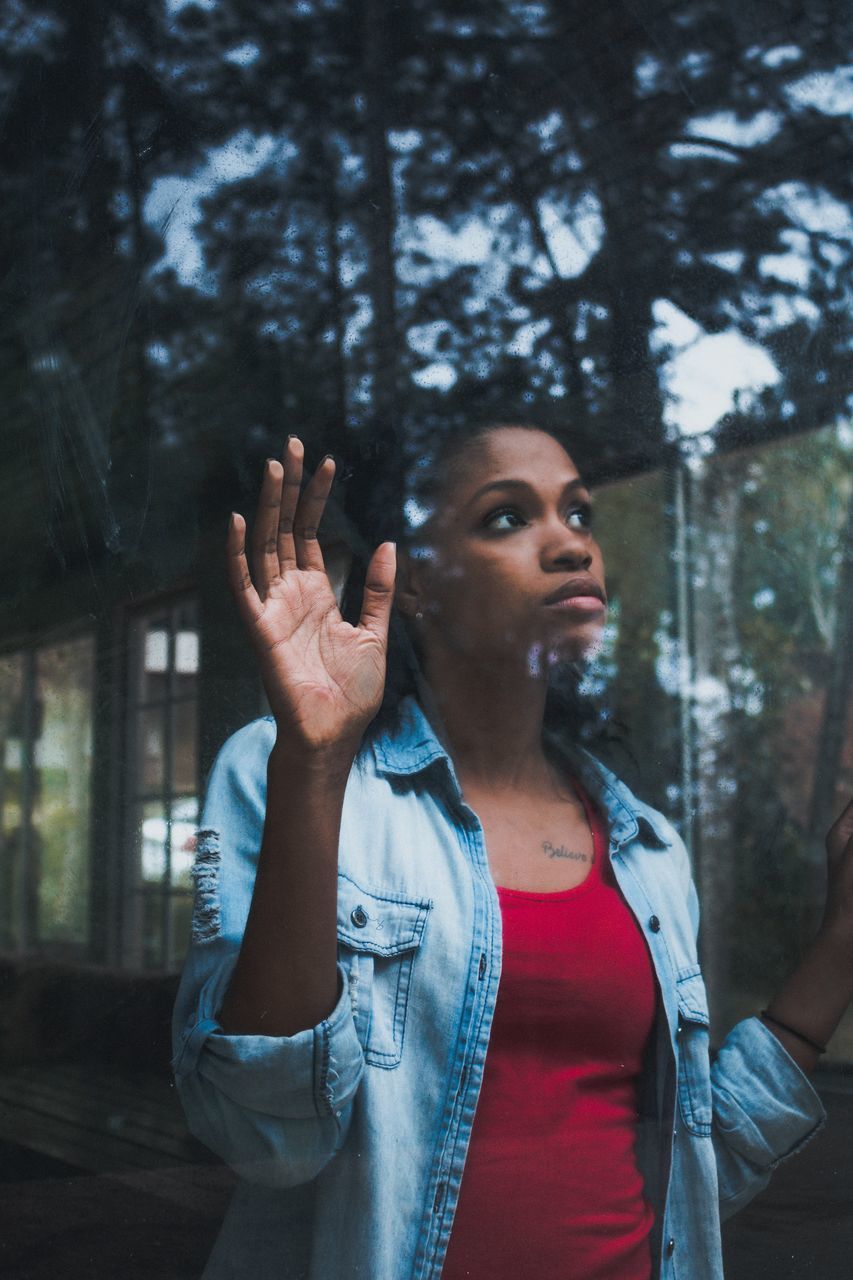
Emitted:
pixel 404 217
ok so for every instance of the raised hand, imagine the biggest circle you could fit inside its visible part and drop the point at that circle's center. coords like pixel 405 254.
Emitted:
pixel 324 678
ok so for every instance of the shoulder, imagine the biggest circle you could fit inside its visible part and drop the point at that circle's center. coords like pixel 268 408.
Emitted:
pixel 623 804
pixel 256 737
pixel 240 764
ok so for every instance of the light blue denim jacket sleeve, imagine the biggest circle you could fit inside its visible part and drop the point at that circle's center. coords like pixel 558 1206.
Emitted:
pixel 761 1107
pixel 764 1106
pixel 753 1129
pixel 276 1108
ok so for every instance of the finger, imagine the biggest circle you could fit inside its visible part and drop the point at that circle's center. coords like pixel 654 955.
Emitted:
pixel 294 453
pixel 379 591
pixel 265 537
pixel 239 578
pixel 309 513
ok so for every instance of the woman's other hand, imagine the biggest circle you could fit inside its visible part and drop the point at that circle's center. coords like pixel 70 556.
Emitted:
pixel 324 678
pixel 806 1011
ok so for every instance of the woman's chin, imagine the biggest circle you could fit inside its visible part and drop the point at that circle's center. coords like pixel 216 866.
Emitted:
pixel 543 656
pixel 581 644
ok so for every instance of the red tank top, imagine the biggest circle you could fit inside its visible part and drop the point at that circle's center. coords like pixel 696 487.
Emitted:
pixel 551 1185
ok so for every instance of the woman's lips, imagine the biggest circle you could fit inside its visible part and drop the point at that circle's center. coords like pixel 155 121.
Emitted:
pixel 579 604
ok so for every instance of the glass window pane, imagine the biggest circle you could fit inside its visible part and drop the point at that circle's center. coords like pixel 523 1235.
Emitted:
pixel 184 747
pixel 152 644
pixel 186 650
pixel 152 928
pixel 151 749
pixel 183 839
pixel 59 843
pixel 639 658
pixel 186 653
pixel 11 797
pixel 182 906
pixel 152 841
pixel 772 723
pixel 727 688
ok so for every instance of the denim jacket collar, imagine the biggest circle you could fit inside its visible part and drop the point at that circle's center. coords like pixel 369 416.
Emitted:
pixel 411 744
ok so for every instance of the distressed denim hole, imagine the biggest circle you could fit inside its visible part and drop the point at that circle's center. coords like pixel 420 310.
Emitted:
pixel 207 917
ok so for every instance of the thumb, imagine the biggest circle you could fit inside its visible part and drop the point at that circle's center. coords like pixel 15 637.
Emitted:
pixel 379 590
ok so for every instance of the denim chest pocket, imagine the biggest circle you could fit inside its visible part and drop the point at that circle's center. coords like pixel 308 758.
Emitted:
pixel 694 1063
pixel 378 940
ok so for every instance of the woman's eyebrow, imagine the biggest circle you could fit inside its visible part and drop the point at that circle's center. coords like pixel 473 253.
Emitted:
pixel 570 485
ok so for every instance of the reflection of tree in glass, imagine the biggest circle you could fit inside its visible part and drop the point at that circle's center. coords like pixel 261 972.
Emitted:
pixel 795 635
pixel 489 200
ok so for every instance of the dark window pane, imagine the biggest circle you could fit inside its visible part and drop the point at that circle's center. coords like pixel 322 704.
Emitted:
pixel 184 747
pixel 180 926
pixel 151 749
pixel 152 940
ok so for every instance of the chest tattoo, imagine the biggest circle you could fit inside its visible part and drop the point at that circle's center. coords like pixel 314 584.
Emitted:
pixel 560 851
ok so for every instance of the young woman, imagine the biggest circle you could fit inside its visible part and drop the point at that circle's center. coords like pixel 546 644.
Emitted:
pixel 442 1009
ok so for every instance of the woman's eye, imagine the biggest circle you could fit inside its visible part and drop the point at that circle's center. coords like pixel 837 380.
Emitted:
pixel 582 517
pixel 501 514
pixel 576 518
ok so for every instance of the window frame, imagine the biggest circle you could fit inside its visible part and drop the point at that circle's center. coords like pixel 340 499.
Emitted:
pixel 133 793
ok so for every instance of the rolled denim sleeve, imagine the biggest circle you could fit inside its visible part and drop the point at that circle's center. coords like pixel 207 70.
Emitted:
pixel 764 1110
pixel 276 1108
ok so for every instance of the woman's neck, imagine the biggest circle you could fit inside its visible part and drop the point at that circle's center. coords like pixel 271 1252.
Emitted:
pixel 490 721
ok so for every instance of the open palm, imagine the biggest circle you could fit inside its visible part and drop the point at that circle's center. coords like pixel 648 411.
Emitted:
pixel 324 678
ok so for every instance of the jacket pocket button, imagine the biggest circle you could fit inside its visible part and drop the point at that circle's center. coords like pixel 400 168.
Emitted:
pixel 654 924
pixel 670 1247
pixel 358 915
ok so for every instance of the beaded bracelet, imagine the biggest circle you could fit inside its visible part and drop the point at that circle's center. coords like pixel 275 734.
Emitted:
pixel 783 1026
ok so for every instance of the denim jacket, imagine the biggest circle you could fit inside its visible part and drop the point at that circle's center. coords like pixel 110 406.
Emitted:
pixel 349 1138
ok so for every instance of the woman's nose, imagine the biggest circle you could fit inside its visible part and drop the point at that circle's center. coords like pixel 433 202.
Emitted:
pixel 575 558
pixel 571 549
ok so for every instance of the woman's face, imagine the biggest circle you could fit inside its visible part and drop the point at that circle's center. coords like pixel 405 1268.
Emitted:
pixel 511 530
